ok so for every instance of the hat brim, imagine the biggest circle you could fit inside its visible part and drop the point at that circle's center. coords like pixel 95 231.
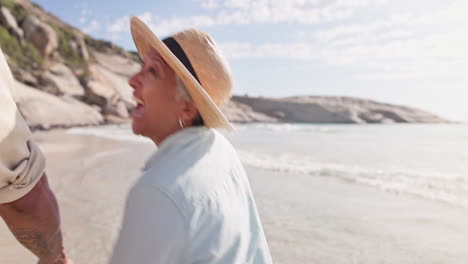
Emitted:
pixel 145 41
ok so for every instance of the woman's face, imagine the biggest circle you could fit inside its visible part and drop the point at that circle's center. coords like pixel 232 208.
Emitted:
pixel 156 114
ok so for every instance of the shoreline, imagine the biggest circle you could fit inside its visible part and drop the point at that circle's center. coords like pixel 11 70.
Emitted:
pixel 327 220
pixel 128 122
pixel 307 219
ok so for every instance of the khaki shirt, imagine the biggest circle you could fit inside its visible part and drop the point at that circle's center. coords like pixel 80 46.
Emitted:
pixel 21 162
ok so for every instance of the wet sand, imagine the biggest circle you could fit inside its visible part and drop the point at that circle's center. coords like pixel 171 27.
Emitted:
pixel 306 219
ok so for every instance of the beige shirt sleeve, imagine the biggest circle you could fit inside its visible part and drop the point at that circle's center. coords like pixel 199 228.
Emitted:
pixel 21 162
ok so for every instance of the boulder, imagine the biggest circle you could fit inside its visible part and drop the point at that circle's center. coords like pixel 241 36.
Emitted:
pixel 48 85
pixel 117 64
pixel 120 84
pixel 40 35
pixel 9 21
pixel 82 49
pixel 60 80
pixel 24 76
pixel 28 78
pixel 45 111
pixel 101 91
pixel 118 69
pixel 78 45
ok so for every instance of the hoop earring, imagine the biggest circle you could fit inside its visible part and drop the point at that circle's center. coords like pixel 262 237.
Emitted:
pixel 181 123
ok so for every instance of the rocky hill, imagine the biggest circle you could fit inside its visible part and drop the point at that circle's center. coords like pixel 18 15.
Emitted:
pixel 329 109
pixel 66 78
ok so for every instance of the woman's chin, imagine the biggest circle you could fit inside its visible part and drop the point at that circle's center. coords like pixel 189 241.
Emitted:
pixel 137 126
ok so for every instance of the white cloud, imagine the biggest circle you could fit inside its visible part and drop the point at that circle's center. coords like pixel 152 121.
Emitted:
pixel 352 30
pixel 296 51
pixel 399 45
pixel 173 25
pixel 85 14
pixel 241 4
pixel 290 11
pixel 120 25
pixel 163 27
pixel 388 55
pixel 275 11
pixel 93 26
pixel 228 12
pixel 454 14
pixel 146 17
pixel 208 4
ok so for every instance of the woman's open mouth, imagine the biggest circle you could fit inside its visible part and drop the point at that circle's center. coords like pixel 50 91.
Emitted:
pixel 139 110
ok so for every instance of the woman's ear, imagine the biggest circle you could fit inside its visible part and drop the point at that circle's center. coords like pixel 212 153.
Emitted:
pixel 188 112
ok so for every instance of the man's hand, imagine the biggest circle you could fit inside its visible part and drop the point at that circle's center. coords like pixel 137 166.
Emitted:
pixel 34 220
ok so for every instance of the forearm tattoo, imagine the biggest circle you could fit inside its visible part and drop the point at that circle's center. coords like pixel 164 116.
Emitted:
pixel 37 242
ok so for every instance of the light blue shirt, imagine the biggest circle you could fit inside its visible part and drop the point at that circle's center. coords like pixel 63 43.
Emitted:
pixel 193 204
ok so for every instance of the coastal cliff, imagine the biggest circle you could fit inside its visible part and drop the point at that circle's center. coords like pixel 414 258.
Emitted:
pixel 330 109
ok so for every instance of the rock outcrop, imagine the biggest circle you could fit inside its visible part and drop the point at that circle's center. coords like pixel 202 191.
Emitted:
pixel 44 111
pixel 335 109
pixel 117 70
pixel 41 35
pixel 241 113
pixel 60 80
pixel 94 73
pixel 9 21
pixel 99 90
pixel 78 45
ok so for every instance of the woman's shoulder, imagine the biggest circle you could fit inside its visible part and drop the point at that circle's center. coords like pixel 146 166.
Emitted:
pixel 185 169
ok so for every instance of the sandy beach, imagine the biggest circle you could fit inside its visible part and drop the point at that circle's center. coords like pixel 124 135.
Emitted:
pixel 306 219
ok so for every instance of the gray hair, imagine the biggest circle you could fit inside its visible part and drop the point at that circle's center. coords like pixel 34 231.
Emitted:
pixel 182 92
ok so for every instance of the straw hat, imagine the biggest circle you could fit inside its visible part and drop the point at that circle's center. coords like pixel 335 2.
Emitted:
pixel 198 62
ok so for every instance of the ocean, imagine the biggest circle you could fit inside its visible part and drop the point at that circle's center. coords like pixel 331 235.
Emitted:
pixel 427 161
pixel 326 194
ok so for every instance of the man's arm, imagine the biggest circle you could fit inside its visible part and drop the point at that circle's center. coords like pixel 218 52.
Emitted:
pixel 35 222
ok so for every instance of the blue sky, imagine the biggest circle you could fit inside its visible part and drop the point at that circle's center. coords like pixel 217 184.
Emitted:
pixel 406 52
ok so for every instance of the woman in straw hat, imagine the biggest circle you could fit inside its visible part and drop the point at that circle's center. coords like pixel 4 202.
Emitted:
pixel 193 203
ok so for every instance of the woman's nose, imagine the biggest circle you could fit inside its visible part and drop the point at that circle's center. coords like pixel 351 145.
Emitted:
pixel 133 81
